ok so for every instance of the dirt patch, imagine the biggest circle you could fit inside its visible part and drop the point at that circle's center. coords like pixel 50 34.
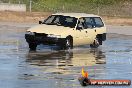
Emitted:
pixel 117 21
pixel 23 16
pixel 34 17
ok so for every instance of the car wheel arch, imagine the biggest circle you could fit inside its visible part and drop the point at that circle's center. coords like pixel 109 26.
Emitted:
pixel 69 36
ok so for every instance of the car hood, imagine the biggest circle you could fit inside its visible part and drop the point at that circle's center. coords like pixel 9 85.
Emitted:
pixel 49 29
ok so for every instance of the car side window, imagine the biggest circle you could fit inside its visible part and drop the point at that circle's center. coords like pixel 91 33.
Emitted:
pixel 50 19
pixel 89 23
pixel 57 20
pixel 98 22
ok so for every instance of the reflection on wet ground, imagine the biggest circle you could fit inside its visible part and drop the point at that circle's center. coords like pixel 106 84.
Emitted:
pixel 51 68
pixel 59 61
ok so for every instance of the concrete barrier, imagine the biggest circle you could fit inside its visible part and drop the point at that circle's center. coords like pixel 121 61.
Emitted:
pixel 12 7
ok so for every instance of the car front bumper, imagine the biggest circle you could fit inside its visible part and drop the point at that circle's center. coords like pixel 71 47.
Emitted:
pixel 43 40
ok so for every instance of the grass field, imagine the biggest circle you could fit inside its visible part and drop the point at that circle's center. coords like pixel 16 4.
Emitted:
pixel 120 8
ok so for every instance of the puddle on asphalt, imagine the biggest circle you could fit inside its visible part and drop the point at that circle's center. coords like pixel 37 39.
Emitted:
pixel 51 68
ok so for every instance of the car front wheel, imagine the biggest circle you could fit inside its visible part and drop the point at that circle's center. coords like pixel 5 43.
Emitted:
pixel 32 46
pixel 67 44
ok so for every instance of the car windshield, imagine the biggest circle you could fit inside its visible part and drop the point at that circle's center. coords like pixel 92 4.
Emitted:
pixel 60 20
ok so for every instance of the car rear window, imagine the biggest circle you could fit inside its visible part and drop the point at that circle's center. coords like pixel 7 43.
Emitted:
pixel 91 22
pixel 98 22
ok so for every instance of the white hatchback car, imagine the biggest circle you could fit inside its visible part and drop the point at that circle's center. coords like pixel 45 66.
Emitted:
pixel 67 30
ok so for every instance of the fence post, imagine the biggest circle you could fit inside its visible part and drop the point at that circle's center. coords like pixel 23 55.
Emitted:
pixel 30 6
pixel 98 12
pixel 19 2
pixel 63 8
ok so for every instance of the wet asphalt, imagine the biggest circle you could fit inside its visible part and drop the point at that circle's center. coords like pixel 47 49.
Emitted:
pixel 49 67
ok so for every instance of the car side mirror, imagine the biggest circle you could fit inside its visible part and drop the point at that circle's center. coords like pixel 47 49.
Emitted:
pixel 40 22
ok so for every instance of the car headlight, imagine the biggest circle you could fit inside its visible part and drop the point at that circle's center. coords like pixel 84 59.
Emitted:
pixel 54 36
pixel 30 33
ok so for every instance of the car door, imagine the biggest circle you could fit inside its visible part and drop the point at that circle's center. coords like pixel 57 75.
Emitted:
pixel 84 34
pixel 79 35
pixel 89 29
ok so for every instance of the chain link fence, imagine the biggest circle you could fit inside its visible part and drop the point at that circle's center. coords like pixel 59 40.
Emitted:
pixel 122 9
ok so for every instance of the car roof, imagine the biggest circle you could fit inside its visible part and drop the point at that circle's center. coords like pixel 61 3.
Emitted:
pixel 76 15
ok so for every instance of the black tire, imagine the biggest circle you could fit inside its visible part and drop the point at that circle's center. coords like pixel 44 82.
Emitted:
pixel 68 43
pixel 95 44
pixel 32 46
pixel 99 37
pixel 100 42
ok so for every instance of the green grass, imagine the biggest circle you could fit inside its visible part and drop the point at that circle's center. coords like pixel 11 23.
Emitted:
pixel 101 7
pixel 69 5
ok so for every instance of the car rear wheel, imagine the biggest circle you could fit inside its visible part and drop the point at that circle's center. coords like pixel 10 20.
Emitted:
pixel 95 44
